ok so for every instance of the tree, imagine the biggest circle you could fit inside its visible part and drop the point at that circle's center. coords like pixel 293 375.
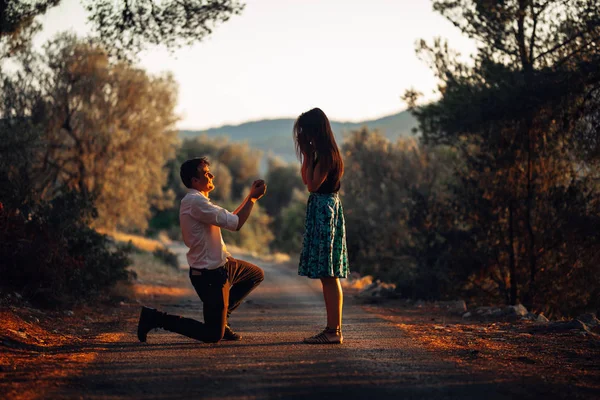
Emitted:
pixel 288 225
pixel 107 129
pixel 514 115
pixel 82 126
pixel 394 195
pixel 234 165
pixel 127 26
pixel 255 236
pixel 240 159
pixel 282 179
pixel 17 23
pixel 286 204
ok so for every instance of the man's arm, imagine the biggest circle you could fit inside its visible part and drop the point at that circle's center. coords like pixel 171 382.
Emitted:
pixel 243 211
pixel 237 210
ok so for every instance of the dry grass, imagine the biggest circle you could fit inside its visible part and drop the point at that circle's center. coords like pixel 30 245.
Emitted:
pixel 140 242
pixel 42 350
pixel 504 350
pixel 155 279
pixel 355 281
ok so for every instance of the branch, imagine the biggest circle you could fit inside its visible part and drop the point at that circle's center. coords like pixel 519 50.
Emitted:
pixel 566 42
pixel 571 54
pixel 533 31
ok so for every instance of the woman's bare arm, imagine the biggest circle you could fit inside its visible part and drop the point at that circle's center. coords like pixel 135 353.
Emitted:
pixel 315 174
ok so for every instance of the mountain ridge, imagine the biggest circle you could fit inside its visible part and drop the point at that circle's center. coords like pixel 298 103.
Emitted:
pixel 274 136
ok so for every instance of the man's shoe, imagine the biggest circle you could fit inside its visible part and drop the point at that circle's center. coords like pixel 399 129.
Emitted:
pixel 230 334
pixel 148 321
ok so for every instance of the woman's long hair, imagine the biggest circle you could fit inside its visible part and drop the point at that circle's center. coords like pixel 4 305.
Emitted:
pixel 313 135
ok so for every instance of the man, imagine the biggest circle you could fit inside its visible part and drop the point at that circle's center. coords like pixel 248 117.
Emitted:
pixel 221 281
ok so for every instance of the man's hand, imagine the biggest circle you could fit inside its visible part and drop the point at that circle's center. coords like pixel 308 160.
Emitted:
pixel 258 189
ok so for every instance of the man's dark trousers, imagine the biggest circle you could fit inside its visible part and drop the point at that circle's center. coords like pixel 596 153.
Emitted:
pixel 222 291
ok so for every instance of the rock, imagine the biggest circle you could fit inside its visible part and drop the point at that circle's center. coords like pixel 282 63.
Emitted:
pixel 530 316
pixel 515 311
pixel 562 326
pixel 455 306
pixel 589 319
pixel 501 313
pixel 378 290
pixel 542 318
pixel 69 313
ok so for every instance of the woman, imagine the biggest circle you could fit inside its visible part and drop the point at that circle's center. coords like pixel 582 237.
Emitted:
pixel 324 254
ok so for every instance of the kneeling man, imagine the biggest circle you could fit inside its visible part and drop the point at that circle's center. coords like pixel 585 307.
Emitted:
pixel 221 281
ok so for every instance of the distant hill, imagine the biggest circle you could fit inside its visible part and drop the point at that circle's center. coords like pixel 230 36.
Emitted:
pixel 274 136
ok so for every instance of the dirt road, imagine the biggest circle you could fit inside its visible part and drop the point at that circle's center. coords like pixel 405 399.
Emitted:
pixel 378 360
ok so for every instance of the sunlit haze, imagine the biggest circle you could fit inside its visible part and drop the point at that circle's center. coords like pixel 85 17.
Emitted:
pixel 352 58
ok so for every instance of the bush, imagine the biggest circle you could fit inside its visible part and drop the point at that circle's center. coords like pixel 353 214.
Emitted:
pixel 255 235
pixel 289 225
pixel 50 255
pixel 167 257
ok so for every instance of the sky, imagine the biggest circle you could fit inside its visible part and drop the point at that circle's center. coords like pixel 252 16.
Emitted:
pixel 352 58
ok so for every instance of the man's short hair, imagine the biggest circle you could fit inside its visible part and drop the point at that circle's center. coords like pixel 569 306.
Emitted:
pixel 189 170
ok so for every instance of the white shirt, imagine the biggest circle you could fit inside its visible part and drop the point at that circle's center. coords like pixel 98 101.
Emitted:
pixel 201 222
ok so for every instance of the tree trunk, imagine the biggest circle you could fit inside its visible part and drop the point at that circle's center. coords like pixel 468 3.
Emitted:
pixel 512 260
pixel 527 125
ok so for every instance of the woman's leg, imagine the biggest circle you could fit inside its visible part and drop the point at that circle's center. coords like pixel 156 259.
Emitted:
pixel 332 293
pixel 334 300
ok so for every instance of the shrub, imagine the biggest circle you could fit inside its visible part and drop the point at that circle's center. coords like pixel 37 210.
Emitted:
pixel 50 255
pixel 255 235
pixel 167 257
pixel 288 226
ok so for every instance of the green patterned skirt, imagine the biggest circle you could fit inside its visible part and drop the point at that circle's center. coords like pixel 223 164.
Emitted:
pixel 324 252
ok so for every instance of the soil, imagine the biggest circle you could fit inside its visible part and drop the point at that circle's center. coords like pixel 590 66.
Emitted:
pixel 42 352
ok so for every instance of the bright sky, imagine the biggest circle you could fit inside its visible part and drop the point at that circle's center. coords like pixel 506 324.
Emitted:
pixel 352 58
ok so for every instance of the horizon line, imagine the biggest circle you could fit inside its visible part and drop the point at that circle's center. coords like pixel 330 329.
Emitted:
pixel 236 124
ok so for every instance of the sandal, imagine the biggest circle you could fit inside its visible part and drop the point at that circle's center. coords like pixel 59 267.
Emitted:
pixel 325 337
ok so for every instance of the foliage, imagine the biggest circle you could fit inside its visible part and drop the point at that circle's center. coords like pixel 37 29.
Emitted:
pixel 79 129
pixel 127 27
pixel 108 128
pixel 48 252
pixel 395 195
pixel 282 179
pixel 235 167
pixel 285 202
pixel 167 257
pixel 288 226
pixel 523 118
pixel 255 235
pixel 50 255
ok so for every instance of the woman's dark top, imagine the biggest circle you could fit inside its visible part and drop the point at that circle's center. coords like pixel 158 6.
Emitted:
pixel 332 183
